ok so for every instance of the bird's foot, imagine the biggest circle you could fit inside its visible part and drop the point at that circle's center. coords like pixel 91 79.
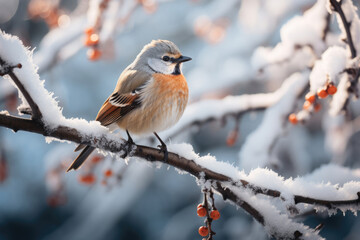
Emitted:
pixel 130 140
pixel 128 145
pixel 162 147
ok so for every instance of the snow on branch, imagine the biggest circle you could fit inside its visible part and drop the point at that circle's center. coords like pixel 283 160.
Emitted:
pixel 302 39
pixel 304 44
pixel 349 24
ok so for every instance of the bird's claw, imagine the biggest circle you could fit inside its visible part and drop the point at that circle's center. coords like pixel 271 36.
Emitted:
pixel 128 145
pixel 163 149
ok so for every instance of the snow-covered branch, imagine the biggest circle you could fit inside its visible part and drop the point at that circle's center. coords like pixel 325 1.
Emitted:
pixel 336 7
pixel 349 24
pixel 231 187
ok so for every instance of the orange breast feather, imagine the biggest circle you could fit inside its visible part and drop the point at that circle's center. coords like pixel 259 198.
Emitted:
pixel 172 84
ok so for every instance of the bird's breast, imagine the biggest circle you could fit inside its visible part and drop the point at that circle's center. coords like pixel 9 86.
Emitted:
pixel 163 102
pixel 170 85
pixel 170 100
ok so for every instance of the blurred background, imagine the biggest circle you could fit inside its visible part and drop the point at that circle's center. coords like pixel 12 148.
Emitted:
pixel 81 47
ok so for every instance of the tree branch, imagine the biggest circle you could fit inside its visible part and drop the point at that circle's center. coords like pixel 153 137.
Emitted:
pixel 154 155
pixel 337 8
pixel 355 72
pixel 8 70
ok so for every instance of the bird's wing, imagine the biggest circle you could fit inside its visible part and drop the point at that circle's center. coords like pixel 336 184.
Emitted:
pixel 124 99
pixel 110 113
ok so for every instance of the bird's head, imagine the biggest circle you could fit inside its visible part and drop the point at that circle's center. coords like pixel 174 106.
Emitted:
pixel 160 56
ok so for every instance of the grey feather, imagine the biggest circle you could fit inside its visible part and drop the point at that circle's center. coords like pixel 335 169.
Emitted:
pixel 155 49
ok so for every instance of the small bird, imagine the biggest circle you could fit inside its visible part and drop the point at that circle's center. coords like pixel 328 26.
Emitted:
pixel 150 96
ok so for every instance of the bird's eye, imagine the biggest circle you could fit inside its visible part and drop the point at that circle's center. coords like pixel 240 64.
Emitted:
pixel 166 58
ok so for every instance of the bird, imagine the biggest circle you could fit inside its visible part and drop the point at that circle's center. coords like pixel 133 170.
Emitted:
pixel 150 96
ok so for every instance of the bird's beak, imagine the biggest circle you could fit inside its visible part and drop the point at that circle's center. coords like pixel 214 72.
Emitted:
pixel 181 59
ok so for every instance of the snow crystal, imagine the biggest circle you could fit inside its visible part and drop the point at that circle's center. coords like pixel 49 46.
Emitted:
pixel 210 162
pixel 4 112
pixel 277 224
pixel 330 182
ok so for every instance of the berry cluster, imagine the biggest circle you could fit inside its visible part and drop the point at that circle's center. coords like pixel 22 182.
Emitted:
pixel 92 41
pixel 329 89
pixel 110 176
pixel 311 103
pixel 210 212
pixel 92 38
pixel 108 173
pixel 88 177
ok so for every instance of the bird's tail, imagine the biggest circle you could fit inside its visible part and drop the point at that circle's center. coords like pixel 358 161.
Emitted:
pixel 81 158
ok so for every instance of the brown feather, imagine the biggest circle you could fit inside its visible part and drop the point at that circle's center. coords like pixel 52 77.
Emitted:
pixel 128 81
pixel 109 113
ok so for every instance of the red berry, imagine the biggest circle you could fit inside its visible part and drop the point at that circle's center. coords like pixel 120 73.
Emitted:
pixel 87 41
pixel 91 40
pixel 108 173
pixel 293 119
pixel 201 212
pixel 203 231
pixel 94 54
pixel 322 93
pixel 215 214
pixel 331 89
pixel 96 159
pixel 94 38
pixel 310 97
pixel 200 205
pixel 231 139
pixel 87 179
pixel 89 31
pixel 317 107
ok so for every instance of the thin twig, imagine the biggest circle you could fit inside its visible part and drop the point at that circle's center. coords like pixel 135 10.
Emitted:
pixel 347 25
pixel 8 70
